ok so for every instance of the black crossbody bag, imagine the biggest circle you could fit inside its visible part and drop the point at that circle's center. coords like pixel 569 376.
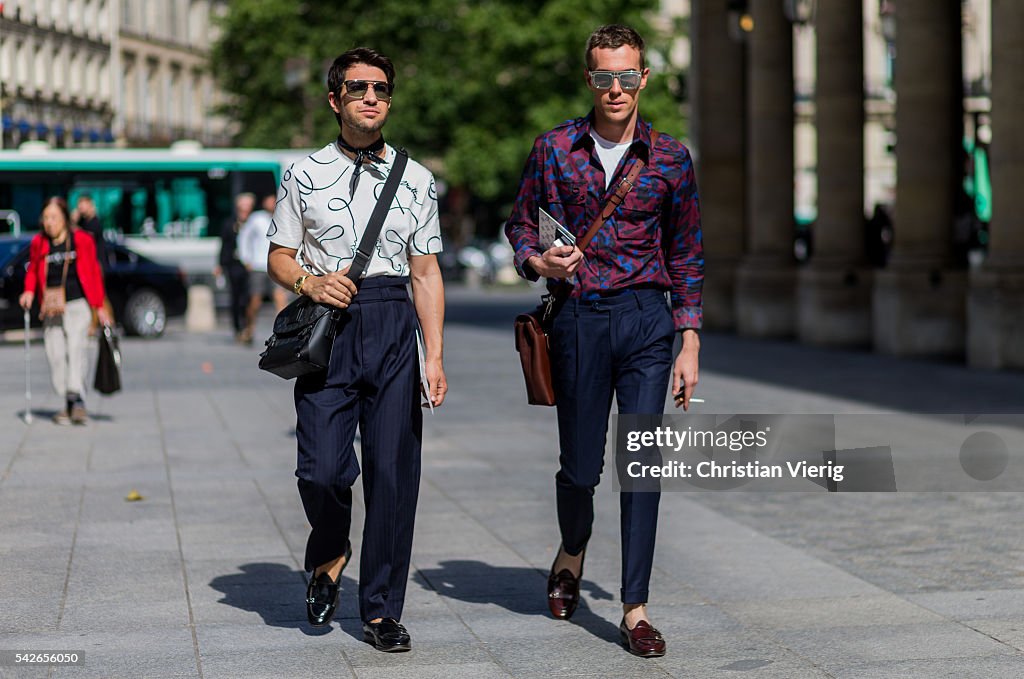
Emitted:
pixel 304 330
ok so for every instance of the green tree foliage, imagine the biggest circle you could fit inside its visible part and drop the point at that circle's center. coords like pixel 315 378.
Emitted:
pixel 477 79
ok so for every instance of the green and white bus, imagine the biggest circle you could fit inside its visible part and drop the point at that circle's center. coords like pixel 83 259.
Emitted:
pixel 169 204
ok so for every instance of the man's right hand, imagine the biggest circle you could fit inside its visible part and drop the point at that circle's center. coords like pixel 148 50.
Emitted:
pixel 558 262
pixel 334 288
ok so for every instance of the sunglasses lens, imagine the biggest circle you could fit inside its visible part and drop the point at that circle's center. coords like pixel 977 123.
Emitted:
pixel 629 81
pixel 601 80
pixel 382 90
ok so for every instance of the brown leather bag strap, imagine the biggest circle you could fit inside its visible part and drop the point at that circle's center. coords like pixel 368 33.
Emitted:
pixel 614 200
pixel 67 260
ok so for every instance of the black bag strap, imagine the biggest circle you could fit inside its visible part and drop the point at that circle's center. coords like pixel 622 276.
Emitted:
pixel 380 211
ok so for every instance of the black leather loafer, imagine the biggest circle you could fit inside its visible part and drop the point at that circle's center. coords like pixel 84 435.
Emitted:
pixel 388 635
pixel 322 595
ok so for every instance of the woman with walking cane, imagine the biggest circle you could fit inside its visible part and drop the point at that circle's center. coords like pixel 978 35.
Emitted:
pixel 64 272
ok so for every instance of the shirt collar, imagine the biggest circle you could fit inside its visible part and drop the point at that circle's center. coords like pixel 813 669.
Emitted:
pixel 641 134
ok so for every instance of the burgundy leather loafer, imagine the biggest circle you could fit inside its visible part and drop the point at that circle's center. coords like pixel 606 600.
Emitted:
pixel 563 594
pixel 564 589
pixel 643 640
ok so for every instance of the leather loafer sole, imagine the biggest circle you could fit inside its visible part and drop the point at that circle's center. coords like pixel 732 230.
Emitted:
pixel 371 638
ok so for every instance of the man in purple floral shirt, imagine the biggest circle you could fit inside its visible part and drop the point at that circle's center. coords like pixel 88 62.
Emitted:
pixel 615 332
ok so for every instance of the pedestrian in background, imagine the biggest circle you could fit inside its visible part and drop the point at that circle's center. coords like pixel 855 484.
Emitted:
pixel 373 380
pixel 614 334
pixel 253 248
pixel 64 274
pixel 232 268
pixel 84 216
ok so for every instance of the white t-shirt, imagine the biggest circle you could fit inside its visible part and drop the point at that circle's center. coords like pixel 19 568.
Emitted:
pixel 609 153
pixel 323 208
pixel 253 244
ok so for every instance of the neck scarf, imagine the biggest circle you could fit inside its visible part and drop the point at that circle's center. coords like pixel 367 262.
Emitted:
pixel 365 153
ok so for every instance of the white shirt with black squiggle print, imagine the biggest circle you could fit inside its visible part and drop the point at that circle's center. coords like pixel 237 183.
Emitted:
pixel 323 206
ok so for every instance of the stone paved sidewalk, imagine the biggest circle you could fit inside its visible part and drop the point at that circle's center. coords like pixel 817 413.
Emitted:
pixel 203 577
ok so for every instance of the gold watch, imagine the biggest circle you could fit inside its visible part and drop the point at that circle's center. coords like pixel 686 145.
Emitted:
pixel 297 288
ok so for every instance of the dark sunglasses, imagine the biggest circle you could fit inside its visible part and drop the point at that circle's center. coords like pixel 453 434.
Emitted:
pixel 628 80
pixel 357 89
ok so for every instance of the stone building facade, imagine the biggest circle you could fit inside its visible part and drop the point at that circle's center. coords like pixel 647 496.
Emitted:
pixel 109 72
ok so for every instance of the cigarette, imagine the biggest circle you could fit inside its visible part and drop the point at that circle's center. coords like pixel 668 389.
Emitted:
pixel 696 400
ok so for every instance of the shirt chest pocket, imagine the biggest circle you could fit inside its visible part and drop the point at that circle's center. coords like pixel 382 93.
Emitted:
pixel 639 216
pixel 563 192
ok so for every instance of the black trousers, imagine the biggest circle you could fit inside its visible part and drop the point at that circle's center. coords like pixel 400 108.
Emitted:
pixel 619 345
pixel 372 383
pixel 238 286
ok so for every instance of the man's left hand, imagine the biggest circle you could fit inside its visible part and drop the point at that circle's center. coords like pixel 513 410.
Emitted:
pixel 684 371
pixel 437 381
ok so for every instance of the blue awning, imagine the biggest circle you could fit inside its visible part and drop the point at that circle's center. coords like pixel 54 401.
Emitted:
pixel 24 126
pixel 58 130
pixel 94 135
pixel 42 129
pixel 8 122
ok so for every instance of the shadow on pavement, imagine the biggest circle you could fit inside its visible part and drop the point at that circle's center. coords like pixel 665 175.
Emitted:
pixel 40 415
pixel 517 590
pixel 277 593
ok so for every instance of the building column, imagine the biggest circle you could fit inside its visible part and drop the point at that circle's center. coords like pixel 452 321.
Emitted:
pixel 919 300
pixel 766 277
pixel 834 294
pixel 719 150
pixel 995 328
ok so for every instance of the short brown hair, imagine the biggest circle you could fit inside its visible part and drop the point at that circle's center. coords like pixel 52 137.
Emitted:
pixel 613 36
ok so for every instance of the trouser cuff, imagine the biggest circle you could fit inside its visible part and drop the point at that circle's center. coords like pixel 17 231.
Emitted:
pixel 638 596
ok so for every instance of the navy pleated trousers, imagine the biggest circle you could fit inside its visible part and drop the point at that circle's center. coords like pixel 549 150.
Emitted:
pixel 372 383
pixel 622 346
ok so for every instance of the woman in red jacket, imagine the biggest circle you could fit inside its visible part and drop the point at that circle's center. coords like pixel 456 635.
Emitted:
pixel 64 274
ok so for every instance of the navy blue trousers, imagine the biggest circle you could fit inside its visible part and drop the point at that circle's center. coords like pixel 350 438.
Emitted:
pixel 619 345
pixel 373 383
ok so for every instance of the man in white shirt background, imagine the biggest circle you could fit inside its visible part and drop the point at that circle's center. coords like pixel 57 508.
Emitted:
pixel 253 247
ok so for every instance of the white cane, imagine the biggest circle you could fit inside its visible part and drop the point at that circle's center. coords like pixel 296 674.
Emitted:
pixel 28 374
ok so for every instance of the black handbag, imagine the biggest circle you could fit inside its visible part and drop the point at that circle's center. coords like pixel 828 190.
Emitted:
pixel 108 365
pixel 304 330
pixel 302 340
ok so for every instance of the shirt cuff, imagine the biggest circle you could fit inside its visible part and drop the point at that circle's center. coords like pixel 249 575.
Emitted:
pixel 688 317
pixel 522 267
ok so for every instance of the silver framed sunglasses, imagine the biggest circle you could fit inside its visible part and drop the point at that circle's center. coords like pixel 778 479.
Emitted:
pixel 628 80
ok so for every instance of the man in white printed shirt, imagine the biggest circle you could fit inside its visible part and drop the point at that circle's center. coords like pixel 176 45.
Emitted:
pixel 372 382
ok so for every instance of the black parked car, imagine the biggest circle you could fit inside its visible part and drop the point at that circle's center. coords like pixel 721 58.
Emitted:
pixel 144 293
